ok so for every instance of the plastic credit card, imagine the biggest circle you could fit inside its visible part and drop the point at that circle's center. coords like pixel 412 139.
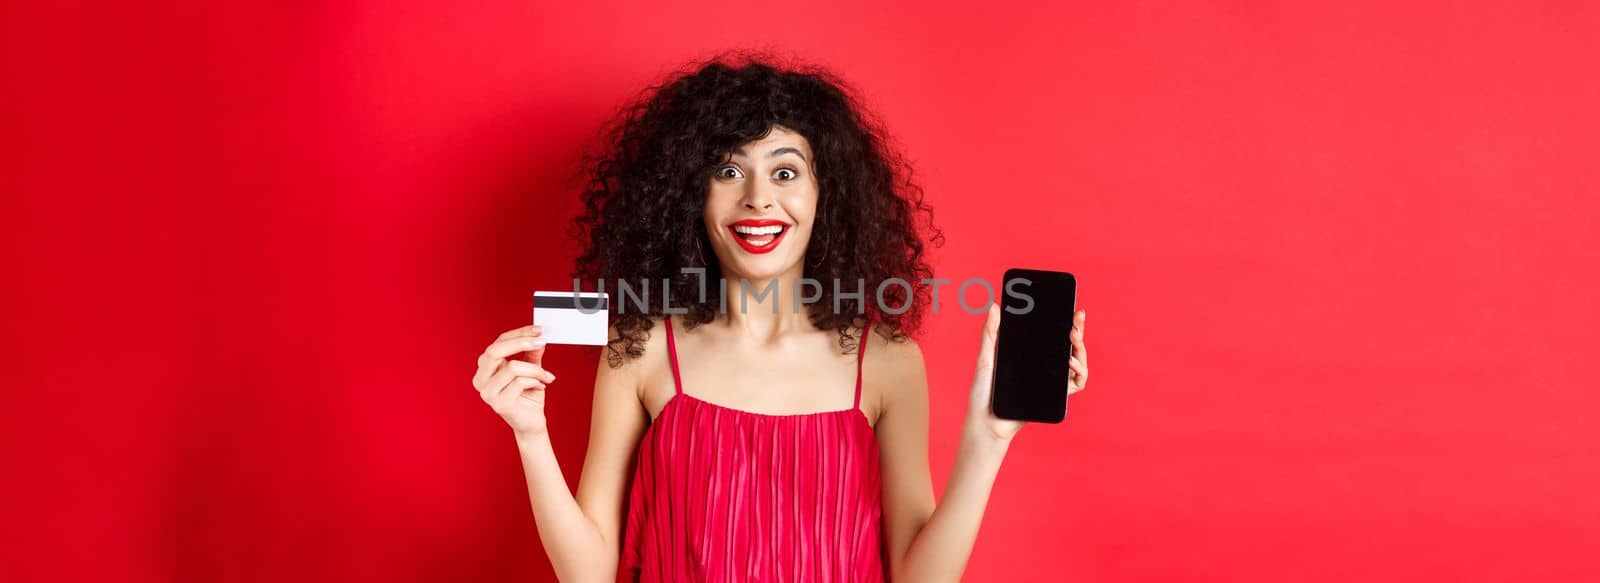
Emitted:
pixel 572 318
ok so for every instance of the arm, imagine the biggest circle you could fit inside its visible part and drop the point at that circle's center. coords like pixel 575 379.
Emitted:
pixel 928 542
pixel 581 534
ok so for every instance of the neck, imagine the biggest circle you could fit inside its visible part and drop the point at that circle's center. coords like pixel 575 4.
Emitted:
pixel 766 308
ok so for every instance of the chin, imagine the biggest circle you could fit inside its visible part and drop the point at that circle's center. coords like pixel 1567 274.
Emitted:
pixel 757 268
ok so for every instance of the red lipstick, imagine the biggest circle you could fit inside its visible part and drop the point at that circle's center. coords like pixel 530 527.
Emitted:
pixel 758 236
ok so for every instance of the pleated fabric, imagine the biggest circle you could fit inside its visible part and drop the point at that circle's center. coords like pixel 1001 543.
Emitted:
pixel 721 494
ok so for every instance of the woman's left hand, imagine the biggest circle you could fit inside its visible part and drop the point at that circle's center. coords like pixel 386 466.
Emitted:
pixel 980 417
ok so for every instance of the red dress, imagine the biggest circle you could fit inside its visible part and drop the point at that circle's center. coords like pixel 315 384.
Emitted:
pixel 722 494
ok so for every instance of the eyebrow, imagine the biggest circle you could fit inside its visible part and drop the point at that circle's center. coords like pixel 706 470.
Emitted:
pixel 782 150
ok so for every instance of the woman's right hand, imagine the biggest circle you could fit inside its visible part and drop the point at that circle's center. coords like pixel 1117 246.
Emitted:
pixel 512 381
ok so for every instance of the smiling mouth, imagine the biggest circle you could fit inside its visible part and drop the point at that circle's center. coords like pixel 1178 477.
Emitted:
pixel 758 238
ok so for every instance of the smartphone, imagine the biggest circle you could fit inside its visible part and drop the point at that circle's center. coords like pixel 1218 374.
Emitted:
pixel 1033 345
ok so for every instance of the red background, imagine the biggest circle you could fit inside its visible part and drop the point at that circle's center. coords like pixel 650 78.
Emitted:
pixel 1339 259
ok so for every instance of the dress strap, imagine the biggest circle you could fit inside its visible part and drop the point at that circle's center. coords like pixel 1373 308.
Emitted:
pixel 861 355
pixel 672 353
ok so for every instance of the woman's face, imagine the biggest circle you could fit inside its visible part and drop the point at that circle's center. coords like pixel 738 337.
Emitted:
pixel 760 206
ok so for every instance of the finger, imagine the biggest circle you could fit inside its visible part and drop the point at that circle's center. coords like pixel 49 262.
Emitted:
pixel 509 347
pixel 491 361
pixel 991 330
pixel 1078 367
pixel 529 330
pixel 991 325
pixel 536 355
pixel 530 370
pixel 496 383
pixel 483 377
pixel 517 387
pixel 513 369
pixel 1079 349
pixel 1079 379
pixel 1077 342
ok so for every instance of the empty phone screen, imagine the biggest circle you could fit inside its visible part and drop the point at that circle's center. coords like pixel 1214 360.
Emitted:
pixel 1034 343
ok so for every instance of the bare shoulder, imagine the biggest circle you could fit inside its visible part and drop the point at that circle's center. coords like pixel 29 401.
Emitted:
pixel 892 351
pixel 892 369
pixel 642 365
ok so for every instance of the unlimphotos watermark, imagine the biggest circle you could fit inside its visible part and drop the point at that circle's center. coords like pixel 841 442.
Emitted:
pixel 807 291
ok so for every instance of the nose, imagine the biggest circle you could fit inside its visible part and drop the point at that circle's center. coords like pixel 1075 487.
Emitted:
pixel 757 196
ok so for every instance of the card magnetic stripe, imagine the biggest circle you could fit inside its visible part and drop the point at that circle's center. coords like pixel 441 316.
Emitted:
pixel 571 303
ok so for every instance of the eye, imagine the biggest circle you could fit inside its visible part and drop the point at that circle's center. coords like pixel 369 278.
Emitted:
pixel 786 174
pixel 728 172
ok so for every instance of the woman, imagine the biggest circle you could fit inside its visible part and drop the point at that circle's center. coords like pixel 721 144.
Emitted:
pixel 780 439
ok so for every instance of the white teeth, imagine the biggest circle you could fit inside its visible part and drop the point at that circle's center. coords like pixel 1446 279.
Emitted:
pixel 744 230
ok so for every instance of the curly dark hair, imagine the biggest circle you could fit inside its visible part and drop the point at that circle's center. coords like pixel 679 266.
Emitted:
pixel 641 219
